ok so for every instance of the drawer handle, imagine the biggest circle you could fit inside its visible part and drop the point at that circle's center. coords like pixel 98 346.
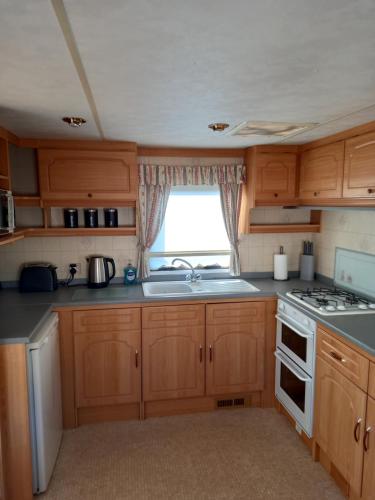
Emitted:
pixel 357 430
pixel 366 439
pixel 136 359
pixel 337 357
pixel 371 191
pixel 89 195
pixel 275 195
pixel 200 353
pixel 210 351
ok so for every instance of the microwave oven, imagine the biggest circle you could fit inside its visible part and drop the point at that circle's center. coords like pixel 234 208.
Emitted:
pixel 7 222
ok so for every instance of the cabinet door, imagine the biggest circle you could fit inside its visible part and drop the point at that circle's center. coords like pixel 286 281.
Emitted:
pixel 173 352
pixel 275 178
pixel 340 409
pixel 368 491
pixel 359 173
pixel 321 172
pixel 107 368
pixel 235 348
pixel 87 175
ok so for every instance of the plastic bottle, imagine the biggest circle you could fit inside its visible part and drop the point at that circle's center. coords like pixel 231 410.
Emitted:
pixel 130 274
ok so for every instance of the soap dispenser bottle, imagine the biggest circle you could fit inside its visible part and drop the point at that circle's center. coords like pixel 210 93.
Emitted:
pixel 130 274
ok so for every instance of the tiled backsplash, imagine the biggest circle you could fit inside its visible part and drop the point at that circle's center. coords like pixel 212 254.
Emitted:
pixel 63 251
pixel 351 229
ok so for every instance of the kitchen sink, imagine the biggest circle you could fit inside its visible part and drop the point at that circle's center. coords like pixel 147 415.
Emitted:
pixel 204 287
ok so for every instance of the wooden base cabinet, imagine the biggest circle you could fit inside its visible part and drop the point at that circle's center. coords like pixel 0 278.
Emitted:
pixel 235 347
pixel 340 412
pixel 173 352
pixel 368 491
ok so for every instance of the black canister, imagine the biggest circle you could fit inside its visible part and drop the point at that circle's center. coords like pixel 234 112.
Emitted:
pixel 110 217
pixel 70 217
pixel 91 217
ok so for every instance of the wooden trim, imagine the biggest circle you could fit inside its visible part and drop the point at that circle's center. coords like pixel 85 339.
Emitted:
pixel 108 413
pixel 15 422
pixel 284 228
pixel 315 217
pixel 93 145
pixel 268 394
pixel 345 134
pixel 80 231
pixel 338 202
pixel 87 203
pixel 8 136
pixel 275 148
pixel 192 152
pixel 67 369
pixel 11 238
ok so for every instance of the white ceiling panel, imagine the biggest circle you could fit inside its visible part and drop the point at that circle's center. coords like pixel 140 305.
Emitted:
pixel 161 70
pixel 38 81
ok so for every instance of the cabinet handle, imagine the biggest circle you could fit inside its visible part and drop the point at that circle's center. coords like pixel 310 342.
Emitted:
pixel 371 191
pixel 89 195
pixel 366 437
pixel 357 430
pixel 200 353
pixel 316 193
pixel 275 195
pixel 136 359
pixel 210 351
pixel 337 357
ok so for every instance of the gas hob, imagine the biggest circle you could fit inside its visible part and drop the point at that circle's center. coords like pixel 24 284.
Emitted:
pixel 332 301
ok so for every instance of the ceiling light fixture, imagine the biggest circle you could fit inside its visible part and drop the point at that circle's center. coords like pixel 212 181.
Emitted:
pixel 218 127
pixel 280 129
pixel 74 121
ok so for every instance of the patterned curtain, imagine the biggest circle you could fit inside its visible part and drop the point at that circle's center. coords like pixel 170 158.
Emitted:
pixel 230 197
pixel 155 183
pixel 153 200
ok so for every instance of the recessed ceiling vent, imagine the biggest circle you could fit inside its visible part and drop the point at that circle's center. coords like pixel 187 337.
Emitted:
pixel 280 129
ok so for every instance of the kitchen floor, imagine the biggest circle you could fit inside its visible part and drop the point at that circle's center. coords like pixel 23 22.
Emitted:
pixel 229 454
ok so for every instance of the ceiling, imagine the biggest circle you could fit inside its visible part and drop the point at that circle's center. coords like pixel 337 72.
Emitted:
pixel 159 71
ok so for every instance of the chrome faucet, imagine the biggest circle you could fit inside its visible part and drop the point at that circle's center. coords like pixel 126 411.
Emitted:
pixel 193 276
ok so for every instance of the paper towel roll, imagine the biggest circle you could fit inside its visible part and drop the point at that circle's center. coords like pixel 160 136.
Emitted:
pixel 280 267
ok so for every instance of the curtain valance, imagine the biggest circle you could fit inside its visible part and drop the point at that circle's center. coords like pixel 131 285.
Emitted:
pixel 163 175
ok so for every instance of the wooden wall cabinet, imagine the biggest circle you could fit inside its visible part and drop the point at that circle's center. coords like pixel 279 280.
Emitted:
pixel 340 412
pixel 235 343
pixel 173 352
pixel 321 173
pixel 275 178
pixel 107 345
pixel 359 173
pixel 87 175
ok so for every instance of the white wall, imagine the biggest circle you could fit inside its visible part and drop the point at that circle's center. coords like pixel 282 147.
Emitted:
pixel 352 229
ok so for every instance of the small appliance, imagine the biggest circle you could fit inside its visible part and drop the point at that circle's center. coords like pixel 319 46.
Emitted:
pixel 38 277
pixel 110 217
pixel 98 271
pixel 7 219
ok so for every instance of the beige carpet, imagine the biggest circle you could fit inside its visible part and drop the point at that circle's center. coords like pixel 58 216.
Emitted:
pixel 249 454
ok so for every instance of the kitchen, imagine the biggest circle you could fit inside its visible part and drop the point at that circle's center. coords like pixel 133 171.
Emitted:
pixel 187 250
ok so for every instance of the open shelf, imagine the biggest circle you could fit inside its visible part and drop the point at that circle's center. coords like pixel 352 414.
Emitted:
pixel 11 238
pixel 27 201
pixel 82 231
pixel 284 228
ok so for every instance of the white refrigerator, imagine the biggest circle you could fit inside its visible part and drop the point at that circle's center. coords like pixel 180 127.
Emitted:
pixel 45 401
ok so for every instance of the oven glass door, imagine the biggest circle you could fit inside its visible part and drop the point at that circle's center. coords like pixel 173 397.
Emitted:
pixel 294 389
pixel 296 343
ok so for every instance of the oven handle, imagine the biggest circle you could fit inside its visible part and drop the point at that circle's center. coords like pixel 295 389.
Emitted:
pixel 281 358
pixel 293 327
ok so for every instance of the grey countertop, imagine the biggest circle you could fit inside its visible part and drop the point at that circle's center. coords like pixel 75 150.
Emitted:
pixel 21 315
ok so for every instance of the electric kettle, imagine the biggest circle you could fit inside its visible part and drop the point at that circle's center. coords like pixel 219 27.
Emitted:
pixel 98 271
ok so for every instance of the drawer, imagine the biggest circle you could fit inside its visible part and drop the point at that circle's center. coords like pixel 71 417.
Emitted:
pixel 173 316
pixel 371 381
pixel 350 363
pixel 235 313
pixel 106 320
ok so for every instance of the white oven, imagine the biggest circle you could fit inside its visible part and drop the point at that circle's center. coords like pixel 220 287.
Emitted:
pixel 295 364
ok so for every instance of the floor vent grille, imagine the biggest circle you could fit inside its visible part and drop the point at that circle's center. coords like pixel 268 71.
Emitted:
pixel 231 403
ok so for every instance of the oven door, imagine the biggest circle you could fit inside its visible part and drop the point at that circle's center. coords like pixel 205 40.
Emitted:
pixel 296 342
pixel 294 389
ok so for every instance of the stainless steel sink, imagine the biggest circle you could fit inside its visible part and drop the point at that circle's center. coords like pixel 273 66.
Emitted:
pixel 185 288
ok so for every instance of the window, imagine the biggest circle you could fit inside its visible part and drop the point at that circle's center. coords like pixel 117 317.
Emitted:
pixel 194 229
